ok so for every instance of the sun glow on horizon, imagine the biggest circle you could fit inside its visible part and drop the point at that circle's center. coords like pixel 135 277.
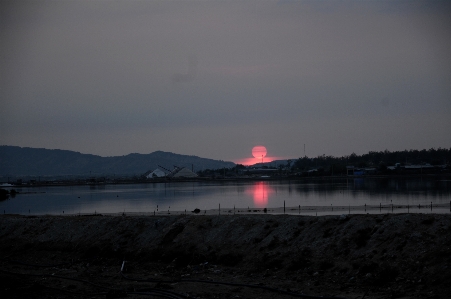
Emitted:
pixel 259 154
pixel 259 151
pixel 252 161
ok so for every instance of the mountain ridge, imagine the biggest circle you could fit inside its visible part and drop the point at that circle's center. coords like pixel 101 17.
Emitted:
pixel 27 161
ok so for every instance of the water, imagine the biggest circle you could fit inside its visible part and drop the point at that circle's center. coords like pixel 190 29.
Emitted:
pixel 337 196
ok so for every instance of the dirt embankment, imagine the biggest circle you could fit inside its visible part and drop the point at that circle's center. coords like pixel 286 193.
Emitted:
pixel 357 256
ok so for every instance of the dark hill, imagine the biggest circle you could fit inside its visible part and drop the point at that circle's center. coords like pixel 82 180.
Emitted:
pixel 23 161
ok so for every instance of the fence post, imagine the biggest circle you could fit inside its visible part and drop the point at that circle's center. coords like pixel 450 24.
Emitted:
pixel 284 207
pixel 219 209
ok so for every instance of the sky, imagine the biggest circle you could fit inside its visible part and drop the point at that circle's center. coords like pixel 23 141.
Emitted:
pixel 216 78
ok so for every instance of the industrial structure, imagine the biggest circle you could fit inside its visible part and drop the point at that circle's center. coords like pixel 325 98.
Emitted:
pixel 177 172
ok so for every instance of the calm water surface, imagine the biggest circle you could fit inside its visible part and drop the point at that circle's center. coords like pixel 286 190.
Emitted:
pixel 163 197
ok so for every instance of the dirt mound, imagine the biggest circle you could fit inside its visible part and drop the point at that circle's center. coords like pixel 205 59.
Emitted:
pixel 349 256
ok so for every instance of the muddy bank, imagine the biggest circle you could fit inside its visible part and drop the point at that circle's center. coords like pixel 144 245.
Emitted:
pixel 357 256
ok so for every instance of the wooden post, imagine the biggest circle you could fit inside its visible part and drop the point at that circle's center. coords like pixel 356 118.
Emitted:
pixel 284 207
pixel 299 209
pixel 219 209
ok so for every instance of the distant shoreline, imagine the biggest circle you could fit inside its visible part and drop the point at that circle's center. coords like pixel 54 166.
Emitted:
pixel 206 179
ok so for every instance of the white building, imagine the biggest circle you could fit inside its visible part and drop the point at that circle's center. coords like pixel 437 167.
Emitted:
pixel 157 173
pixel 178 172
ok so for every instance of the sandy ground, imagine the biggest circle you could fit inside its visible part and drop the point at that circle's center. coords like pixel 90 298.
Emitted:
pixel 227 256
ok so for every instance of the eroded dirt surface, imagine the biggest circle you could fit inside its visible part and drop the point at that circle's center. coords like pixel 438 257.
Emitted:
pixel 245 256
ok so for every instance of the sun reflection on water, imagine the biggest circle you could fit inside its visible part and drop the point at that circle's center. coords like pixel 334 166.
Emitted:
pixel 261 192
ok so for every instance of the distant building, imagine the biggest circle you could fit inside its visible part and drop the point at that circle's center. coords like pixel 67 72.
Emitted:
pixel 262 170
pixel 157 173
pixel 351 170
pixel 416 169
pixel 177 172
pixel 181 172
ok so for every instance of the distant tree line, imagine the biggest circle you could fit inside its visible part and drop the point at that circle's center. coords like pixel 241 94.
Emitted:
pixel 379 160
pixel 329 165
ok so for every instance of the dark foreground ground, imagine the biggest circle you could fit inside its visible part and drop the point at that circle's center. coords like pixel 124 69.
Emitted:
pixel 246 256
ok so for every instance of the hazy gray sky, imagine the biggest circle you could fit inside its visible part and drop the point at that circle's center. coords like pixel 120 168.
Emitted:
pixel 215 78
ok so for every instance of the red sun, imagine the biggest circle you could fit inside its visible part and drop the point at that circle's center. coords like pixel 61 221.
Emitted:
pixel 259 151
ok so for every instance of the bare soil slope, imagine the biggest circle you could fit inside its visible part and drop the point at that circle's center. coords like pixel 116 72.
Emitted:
pixel 246 256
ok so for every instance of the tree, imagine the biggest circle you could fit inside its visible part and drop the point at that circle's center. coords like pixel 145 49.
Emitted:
pixel 382 166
